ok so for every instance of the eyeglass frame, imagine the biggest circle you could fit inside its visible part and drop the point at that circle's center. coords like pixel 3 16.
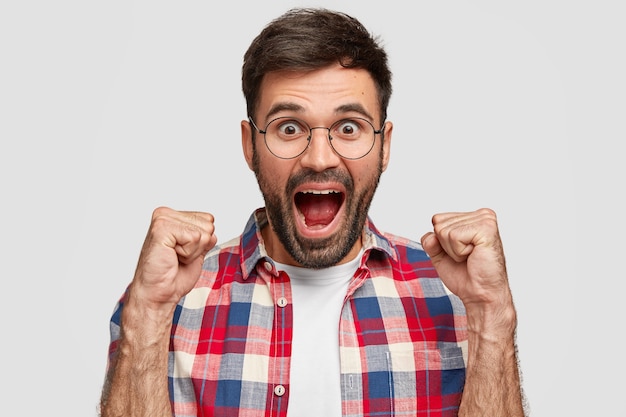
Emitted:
pixel 380 131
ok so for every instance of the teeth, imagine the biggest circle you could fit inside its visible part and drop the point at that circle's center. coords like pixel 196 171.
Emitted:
pixel 320 192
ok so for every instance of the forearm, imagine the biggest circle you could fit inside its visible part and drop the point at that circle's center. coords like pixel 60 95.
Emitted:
pixel 137 382
pixel 492 386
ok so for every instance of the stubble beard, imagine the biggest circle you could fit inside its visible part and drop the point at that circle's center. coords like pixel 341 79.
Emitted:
pixel 317 253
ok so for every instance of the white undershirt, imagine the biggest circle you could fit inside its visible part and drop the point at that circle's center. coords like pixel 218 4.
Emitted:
pixel 315 386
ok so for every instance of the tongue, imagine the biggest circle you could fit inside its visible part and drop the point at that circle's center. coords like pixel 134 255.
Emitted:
pixel 317 209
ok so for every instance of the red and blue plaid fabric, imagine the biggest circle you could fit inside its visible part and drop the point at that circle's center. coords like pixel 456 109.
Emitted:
pixel 403 335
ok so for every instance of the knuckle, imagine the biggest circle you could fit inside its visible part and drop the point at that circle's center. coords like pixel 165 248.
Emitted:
pixel 487 212
pixel 160 212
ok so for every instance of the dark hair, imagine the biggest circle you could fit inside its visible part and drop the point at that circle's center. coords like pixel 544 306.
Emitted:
pixel 307 39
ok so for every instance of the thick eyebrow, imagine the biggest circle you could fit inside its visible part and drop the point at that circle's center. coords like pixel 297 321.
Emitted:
pixel 284 106
pixel 353 108
pixel 342 109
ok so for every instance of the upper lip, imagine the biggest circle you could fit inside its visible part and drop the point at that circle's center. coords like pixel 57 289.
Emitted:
pixel 320 188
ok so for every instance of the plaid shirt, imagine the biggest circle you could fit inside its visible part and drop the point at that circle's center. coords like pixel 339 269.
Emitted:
pixel 403 335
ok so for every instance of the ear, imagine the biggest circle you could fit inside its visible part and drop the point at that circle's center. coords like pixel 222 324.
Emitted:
pixel 387 144
pixel 246 142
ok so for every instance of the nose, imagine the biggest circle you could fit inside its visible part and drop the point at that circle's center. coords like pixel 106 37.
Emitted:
pixel 319 155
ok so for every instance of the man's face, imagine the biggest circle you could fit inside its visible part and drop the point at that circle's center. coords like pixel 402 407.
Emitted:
pixel 317 202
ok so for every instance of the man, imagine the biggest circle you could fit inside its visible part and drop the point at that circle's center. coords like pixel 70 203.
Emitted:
pixel 312 311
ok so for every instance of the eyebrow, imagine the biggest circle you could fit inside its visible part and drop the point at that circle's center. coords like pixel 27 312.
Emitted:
pixel 353 108
pixel 342 109
pixel 284 106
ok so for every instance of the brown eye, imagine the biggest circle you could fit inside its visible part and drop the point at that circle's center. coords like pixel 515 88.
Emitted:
pixel 288 128
pixel 347 129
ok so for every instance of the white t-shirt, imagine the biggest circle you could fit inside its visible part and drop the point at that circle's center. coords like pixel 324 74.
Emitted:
pixel 318 294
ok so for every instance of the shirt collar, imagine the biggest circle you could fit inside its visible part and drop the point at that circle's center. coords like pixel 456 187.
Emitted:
pixel 253 248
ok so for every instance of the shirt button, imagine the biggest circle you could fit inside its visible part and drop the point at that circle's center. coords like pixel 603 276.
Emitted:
pixel 279 390
pixel 282 302
pixel 268 266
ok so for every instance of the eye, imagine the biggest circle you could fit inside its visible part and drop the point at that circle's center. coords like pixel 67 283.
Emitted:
pixel 347 129
pixel 289 128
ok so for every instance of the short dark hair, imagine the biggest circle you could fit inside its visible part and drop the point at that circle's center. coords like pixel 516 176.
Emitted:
pixel 307 39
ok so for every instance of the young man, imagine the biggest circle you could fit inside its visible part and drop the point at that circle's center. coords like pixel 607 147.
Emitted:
pixel 312 311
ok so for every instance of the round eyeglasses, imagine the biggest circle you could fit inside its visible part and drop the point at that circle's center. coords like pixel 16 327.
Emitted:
pixel 289 137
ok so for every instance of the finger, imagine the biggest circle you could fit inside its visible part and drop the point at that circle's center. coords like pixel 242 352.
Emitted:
pixel 194 241
pixel 190 234
pixel 457 243
pixel 431 245
pixel 198 244
pixel 455 239
pixel 459 233
pixel 193 218
pixel 459 218
pixel 434 249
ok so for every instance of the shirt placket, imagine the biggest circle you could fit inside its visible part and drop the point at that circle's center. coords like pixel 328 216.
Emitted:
pixel 280 348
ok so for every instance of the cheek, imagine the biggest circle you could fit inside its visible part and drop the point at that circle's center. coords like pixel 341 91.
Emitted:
pixel 364 173
pixel 271 173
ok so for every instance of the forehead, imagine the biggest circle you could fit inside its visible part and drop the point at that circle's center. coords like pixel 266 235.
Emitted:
pixel 324 93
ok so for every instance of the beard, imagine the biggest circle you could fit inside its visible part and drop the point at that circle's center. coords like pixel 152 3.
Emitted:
pixel 316 253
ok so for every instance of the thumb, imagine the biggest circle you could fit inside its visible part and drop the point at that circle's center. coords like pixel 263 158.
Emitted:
pixel 432 247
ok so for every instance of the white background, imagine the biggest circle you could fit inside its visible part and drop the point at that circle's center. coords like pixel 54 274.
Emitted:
pixel 110 109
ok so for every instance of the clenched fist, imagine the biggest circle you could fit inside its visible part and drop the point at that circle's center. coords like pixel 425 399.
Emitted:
pixel 467 253
pixel 171 257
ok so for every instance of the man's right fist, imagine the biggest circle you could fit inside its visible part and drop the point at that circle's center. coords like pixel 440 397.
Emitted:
pixel 172 255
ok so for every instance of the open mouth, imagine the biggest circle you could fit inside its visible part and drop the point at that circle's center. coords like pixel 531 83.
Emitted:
pixel 318 208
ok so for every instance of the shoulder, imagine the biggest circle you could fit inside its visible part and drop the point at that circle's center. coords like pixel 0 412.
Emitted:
pixel 397 247
pixel 400 249
pixel 224 257
pixel 407 249
pixel 404 262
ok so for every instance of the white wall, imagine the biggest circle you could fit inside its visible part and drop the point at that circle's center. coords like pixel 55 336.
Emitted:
pixel 109 109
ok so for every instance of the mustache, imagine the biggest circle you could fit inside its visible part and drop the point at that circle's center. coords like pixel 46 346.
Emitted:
pixel 309 175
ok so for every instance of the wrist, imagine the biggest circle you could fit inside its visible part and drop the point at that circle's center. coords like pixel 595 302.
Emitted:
pixel 146 324
pixel 492 322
